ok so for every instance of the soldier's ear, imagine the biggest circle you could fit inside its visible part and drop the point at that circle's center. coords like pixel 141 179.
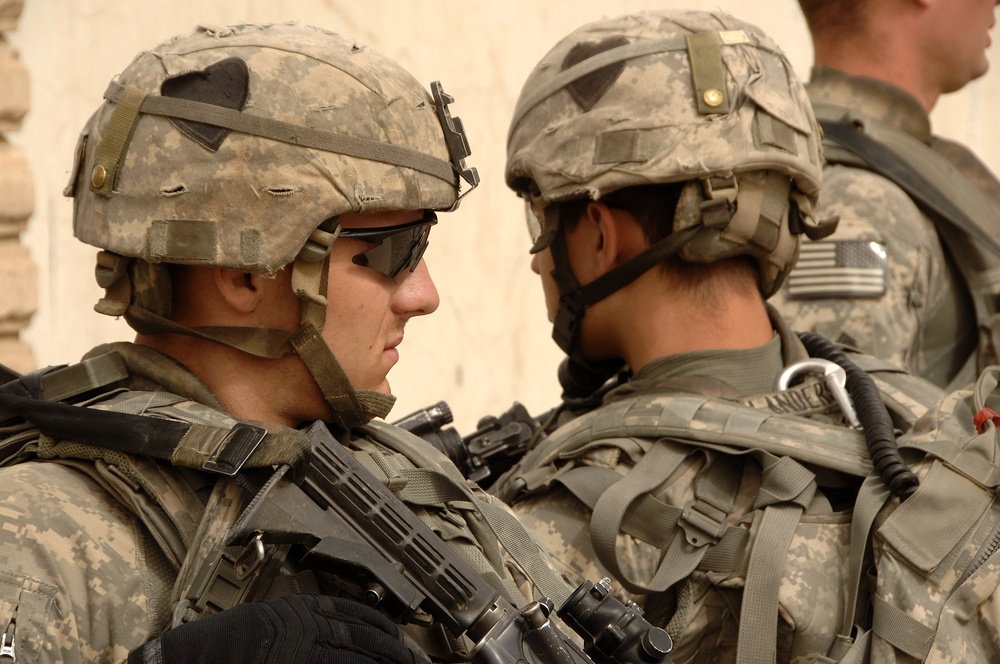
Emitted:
pixel 617 236
pixel 237 288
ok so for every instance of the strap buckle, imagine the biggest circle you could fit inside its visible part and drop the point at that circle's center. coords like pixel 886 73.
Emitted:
pixel 235 448
pixel 703 523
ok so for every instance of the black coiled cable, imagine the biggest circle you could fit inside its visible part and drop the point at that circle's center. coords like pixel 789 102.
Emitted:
pixel 876 422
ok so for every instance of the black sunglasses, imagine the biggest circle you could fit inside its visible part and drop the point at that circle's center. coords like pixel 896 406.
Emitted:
pixel 396 247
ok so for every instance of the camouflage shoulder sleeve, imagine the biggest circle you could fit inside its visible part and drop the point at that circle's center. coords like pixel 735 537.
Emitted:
pixel 881 282
pixel 74 568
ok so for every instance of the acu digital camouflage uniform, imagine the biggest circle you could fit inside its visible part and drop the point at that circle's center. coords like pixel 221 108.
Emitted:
pixel 95 547
pixel 887 282
pixel 718 502
pixel 234 147
pixel 707 509
pixel 84 575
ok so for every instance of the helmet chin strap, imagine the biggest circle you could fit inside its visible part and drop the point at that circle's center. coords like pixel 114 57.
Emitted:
pixel 347 407
pixel 574 298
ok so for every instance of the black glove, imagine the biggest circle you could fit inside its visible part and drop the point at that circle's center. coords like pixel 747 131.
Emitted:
pixel 297 629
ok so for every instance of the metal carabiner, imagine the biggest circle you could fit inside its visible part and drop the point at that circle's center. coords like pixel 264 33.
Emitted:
pixel 7 654
pixel 835 378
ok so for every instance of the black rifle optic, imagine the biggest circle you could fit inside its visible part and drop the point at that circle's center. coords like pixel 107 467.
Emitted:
pixel 351 525
pixel 486 453
pixel 500 440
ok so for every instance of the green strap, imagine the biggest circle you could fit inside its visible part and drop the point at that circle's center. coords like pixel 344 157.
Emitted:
pixel 649 519
pixel 658 463
pixel 340 396
pixel 871 497
pixel 285 132
pixel 721 423
pixel 708 72
pixel 114 146
pixel 758 632
pixel 785 481
pixel 858 651
pixel 970 464
pixel 904 633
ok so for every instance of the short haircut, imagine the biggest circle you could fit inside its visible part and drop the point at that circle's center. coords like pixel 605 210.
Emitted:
pixel 653 207
pixel 834 17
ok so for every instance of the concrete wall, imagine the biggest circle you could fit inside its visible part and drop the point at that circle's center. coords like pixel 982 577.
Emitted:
pixel 18 276
pixel 489 342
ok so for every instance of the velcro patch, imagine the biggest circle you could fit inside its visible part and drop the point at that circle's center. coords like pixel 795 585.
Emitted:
pixel 588 90
pixel 226 84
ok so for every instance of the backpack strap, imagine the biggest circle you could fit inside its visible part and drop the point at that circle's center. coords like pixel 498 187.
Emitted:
pixel 962 214
pixel 941 191
pixel 703 421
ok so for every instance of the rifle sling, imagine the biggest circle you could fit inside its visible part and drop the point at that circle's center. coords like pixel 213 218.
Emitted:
pixel 200 446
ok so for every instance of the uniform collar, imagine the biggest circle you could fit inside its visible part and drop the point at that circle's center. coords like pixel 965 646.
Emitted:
pixel 149 369
pixel 835 94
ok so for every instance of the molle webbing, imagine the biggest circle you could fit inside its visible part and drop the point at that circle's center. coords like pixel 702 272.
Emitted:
pixel 284 132
pixel 713 423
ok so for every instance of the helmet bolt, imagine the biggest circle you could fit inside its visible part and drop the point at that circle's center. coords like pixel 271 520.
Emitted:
pixel 98 176
pixel 712 97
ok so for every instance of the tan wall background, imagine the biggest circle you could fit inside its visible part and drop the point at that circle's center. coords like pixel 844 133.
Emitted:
pixel 489 343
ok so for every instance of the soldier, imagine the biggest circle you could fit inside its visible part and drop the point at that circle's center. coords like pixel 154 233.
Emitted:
pixel 911 274
pixel 261 197
pixel 670 162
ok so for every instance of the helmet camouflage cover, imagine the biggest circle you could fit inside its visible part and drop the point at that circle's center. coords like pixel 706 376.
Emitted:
pixel 229 146
pixel 676 97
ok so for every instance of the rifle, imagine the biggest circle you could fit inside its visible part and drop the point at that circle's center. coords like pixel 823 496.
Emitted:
pixel 351 524
pixel 489 451
pixel 500 441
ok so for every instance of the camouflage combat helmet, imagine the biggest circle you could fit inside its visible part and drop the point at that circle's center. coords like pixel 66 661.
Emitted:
pixel 238 147
pixel 690 97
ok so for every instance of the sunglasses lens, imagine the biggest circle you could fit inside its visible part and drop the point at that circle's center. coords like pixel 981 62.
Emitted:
pixel 397 251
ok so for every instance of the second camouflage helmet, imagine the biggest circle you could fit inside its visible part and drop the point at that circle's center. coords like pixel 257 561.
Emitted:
pixel 676 97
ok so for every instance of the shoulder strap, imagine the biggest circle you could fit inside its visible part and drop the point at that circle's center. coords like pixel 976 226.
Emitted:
pixel 921 172
pixel 710 422
pixel 189 443
pixel 964 216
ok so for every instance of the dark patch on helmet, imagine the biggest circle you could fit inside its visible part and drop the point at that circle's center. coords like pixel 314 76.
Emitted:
pixel 588 90
pixel 226 84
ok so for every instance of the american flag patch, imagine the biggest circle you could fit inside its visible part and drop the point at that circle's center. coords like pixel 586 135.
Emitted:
pixel 845 268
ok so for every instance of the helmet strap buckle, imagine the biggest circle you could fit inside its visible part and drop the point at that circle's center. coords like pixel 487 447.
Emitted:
pixel 719 206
